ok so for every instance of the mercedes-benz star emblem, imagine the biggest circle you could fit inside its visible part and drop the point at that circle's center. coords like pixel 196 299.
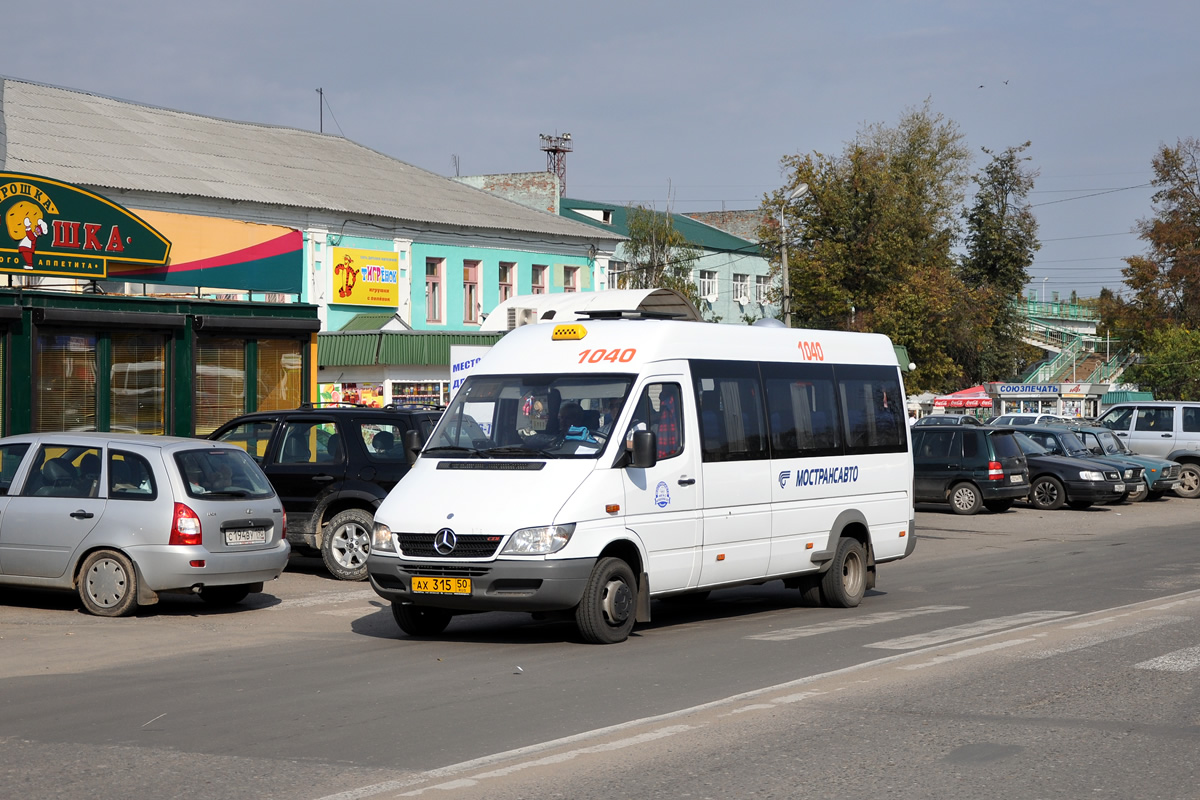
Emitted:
pixel 444 542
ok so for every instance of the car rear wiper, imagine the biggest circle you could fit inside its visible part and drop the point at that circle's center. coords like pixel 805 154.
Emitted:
pixel 228 493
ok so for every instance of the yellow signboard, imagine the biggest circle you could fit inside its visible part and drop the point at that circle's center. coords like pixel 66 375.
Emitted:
pixel 365 277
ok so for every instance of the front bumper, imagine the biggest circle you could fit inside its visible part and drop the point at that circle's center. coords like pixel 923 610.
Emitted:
pixel 1165 484
pixel 501 585
pixel 166 567
pixel 1096 491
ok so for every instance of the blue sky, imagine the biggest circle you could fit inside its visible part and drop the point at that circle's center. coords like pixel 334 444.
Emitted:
pixel 687 104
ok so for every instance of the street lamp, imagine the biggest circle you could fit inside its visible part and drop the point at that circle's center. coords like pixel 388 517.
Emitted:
pixel 1044 287
pixel 786 304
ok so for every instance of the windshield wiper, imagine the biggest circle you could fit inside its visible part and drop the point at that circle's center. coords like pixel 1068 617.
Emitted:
pixel 517 450
pixel 450 448
pixel 228 493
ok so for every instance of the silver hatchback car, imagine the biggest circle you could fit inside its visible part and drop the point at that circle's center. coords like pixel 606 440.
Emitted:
pixel 122 517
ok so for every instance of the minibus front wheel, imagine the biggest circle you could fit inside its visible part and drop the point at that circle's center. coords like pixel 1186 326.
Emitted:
pixel 845 583
pixel 606 613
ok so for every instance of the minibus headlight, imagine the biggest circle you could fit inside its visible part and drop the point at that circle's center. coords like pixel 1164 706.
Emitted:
pixel 1091 475
pixel 381 539
pixel 538 541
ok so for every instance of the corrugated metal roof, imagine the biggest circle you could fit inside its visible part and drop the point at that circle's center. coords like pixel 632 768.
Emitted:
pixel 91 140
pixel 367 322
pixel 365 349
pixel 696 232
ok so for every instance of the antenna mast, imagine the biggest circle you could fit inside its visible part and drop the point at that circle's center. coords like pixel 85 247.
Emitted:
pixel 321 100
pixel 556 148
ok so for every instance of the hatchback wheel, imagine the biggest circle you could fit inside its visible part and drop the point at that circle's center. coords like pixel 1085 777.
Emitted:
pixel 346 543
pixel 1047 493
pixel 965 499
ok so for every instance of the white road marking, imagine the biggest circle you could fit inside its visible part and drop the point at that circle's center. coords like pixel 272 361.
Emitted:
pixel 877 618
pixel 978 628
pixel 961 654
pixel 1095 639
pixel 1179 661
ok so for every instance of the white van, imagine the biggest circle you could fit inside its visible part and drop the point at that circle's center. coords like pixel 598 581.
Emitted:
pixel 618 460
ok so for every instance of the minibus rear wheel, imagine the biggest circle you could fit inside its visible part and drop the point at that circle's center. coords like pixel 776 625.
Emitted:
pixel 606 613
pixel 844 584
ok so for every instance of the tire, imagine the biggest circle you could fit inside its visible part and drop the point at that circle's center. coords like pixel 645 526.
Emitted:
pixel 998 506
pixel 420 620
pixel 965 498
pixel 810 590
pixel 1079 505
pixel 108 584
pixel 1189 481
pixel 1047 493
pixel 1138 495
pixel 845 583
pixel 606 613
pixel 346 542
pixel 223 596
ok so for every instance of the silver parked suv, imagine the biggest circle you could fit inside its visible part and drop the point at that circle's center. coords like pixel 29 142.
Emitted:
pixel 1166 429
pixel 120 518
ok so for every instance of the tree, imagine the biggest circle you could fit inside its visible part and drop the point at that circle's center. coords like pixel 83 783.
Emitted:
pixel 870 243
pixel 1170 365
pixel 658 255
pixel 1164 283
pixel 1001 241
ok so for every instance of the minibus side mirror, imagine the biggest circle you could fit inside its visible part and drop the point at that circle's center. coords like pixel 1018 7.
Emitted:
pixel 645 450
pixel 412 445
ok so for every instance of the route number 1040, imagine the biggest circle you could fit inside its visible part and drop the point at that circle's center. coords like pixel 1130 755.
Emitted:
pixel 613 356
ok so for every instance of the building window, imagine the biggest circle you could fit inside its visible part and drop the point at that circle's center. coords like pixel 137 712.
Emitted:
pixel 570 279
pixel 507 270
pixel 220 382
pixel 435 393
pixel 433 289
pixel 66 383
pixel 139 377
pixel 471 291
pixel 538 280
pixel 761 285
pixel 618 275
pixel 280 374
pixel 741 288
pixel 708 284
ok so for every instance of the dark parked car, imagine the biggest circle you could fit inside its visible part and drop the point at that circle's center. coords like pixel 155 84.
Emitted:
pixel 1076 482
pixel 968 466
pixel 1061 441
pixel 1161 476
pixel 332 467
pixel 947 419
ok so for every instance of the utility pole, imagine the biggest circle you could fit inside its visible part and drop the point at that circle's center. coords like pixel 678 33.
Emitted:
pixel 321 108
pixel 785 303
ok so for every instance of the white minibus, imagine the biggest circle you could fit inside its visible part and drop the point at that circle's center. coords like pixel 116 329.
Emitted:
pixel 586 468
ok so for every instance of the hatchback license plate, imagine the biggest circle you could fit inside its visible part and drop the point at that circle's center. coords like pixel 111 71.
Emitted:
pixel 1017 478
pixel 441 585
pixel 247 536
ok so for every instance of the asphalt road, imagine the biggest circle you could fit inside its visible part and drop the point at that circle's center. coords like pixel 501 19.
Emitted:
pixel 1026 654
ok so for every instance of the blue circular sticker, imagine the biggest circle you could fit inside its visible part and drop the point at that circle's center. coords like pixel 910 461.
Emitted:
pixel 662 496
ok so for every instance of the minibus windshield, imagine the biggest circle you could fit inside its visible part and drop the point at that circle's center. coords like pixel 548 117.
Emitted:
pixel 541 416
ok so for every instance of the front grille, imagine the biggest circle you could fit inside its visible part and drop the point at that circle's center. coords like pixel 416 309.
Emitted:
pixel 420 545
pixel 443 571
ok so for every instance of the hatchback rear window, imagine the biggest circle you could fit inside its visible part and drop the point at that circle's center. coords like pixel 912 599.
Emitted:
pixel 1005 445
pixel 214 474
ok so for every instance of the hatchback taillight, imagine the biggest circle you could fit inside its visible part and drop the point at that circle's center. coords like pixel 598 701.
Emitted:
pixel 185 527
pixel 283 534
pixel 995 471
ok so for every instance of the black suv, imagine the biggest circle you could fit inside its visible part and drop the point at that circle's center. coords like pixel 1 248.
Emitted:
pixel 332 467
pixel 968 466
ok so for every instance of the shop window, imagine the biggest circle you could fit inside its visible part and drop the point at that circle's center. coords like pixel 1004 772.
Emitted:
pixel 436 393
pixel 433 289
pixel 138 383
pixel 280 374
pixel 65 381
pixel 505 280
pixel 220 382
pixel 538 279
pixel 471 291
